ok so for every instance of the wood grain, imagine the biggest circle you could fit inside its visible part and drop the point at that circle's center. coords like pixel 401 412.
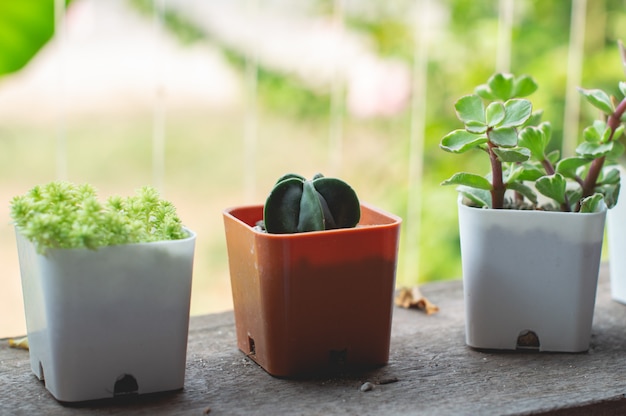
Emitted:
pixel 431 372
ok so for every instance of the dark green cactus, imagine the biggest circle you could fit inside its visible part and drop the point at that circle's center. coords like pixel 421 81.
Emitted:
pixel 297 205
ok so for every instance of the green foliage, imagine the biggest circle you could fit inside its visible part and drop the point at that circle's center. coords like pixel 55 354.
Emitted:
pixel 186 32
pixel 279 92
pixel 297 205
pixel 25 26
pixel 518 150
pixel 64 215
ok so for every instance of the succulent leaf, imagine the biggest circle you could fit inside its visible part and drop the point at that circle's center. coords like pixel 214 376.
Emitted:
pixel 524 190
pixel 569 167
pixel 523 86
pixel 535 140
pixel 513 155
pixel 503 136
pixel 298 205
pixel 591 203
pixel 460 141
pixel 594 150
pixel 553 187
pixel 468 179
pixel 479 197
pixel 517 112
pixel 501 86
pixel 470 109
pixel 598 99
pixel 494 113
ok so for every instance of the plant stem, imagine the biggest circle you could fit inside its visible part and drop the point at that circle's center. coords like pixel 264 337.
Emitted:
pixel 565 207
pixel 548 166
pixel 498 188
pixel 591 180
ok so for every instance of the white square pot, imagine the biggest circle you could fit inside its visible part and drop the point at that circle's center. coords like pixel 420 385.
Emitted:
pixel 530 271
pixel 616 238
pixel 108 322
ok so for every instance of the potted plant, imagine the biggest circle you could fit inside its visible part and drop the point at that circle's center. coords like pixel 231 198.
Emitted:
pixel 616 218
pixel 531 230
pixel 616 238
pixel 106 290
pixel 313 277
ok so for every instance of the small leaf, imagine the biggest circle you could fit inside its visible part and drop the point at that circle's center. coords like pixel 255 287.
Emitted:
pixel 494 114
pixel 591 203
pixel 534 119
pixel 546 128
pixel 503 136
pixel 530 172
pixel 460 141
pixel 534 139
pixel 512 155
pixel 524 190
pixel 611 194
pixel 470 109
pixel 468 179
pixel 523 86
pixel 594 132
pixel 574 193
pixel 552 187
pixel 513 172
pixel 554 156
pixel 501 86
pixel 476 127
pixel 483 91
pixel 610 176
pixel 594 150
pixel 598 99
pixel 479 197
pixel 517 112
pixel 569 167
pixel 622 87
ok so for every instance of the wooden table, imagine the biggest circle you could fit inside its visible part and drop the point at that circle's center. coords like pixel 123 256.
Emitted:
pixel 436 374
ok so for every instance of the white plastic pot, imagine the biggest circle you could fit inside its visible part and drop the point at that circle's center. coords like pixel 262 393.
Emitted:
pixel 530 271
pixel 108 322
pixel 616 238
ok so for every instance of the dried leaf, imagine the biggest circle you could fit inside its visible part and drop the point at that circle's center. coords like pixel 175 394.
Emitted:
pixel 19 343
pixel 412 298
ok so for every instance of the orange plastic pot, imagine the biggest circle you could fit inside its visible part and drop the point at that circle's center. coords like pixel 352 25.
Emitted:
pixel 313 302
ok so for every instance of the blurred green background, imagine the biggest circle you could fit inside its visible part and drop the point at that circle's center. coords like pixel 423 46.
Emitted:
pixel 211 107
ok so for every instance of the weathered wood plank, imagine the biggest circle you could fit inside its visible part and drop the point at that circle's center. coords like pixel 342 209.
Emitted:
pixel 436 374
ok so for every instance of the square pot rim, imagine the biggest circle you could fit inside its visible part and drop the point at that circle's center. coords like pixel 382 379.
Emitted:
pixel 511 212
pixel 191 236
pixel 394 221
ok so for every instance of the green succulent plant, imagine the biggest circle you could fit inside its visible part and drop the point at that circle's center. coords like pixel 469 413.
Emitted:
pixel 500 122
pixel 61 214
pixel 297 205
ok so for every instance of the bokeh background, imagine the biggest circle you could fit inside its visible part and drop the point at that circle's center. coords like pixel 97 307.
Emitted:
pixel 212 101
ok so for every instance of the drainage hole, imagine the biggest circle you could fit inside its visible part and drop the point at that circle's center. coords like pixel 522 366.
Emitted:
pixel 125 385
pixel 527 340
pixel 251 347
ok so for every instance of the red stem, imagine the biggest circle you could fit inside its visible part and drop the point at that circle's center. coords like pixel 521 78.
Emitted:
pixel 498 189
pixel 591 180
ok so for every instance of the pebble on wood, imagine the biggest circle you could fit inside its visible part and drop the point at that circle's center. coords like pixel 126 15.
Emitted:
pixel 367 386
